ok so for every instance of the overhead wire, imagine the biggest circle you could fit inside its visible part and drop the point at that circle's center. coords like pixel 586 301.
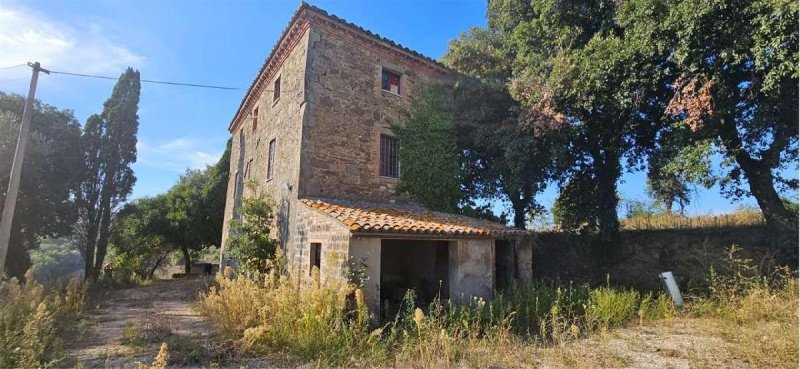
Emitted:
pixel 149 81
pixel 142 80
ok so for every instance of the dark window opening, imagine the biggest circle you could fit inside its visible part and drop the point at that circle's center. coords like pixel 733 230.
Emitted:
pixel 276 91
pixel 247 169
pixel 390 81
pixel 390 157
pixel 255 118
pixel 316 257
pixel 271 159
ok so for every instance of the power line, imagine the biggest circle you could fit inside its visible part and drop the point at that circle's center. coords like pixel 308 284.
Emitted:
pixel 14 66
pixel 150 81
pixel 12 79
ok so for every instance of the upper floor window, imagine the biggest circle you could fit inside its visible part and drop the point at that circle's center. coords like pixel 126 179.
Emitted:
pixel 271 159
pixel 247 169
pixel 255 118
pixel 276 90
pixel 390 81
pixel 390 157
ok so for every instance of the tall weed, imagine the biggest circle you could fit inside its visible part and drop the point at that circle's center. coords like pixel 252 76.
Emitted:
pixel 330 324
pixel 31 318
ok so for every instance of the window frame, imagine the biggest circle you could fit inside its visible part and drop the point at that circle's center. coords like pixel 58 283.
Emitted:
pixel 389 157
pixel 276 90
pixel 391 73
pixel 255 119
pixel 314 256
pixel 271 149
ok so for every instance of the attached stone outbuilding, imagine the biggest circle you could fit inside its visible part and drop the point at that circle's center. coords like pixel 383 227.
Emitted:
pixel 407 247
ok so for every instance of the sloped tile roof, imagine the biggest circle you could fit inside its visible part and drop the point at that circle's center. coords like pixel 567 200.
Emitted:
pixel 372 217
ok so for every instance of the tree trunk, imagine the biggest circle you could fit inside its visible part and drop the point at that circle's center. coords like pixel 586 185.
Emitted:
pixel 157 264
pixel 778 218
pixel 187 261
pixel 761 182
pixel 102 242
pixel 607 172
pixel 519 214
pixel 88 254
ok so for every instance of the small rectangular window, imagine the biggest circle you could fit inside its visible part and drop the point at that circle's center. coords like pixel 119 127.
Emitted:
pixel 255 118
pixel 389 157
pixel 247 169
pixel 390 81
pixel 316 257
pixel 271 159
pixel 276 90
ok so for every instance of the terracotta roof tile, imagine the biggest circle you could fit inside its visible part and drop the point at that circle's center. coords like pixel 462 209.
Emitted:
pixel 373 217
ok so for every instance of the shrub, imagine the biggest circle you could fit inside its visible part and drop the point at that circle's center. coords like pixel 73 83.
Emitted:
pixel 32 318
pixel 250 242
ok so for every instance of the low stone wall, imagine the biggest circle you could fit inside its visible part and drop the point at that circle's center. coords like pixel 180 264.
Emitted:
pixel 637 257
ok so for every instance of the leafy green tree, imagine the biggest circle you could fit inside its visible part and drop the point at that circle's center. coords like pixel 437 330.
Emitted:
pixel 429 155
pixel 109 148
pixel 250 243
pixel 51 172
pixel 736 83
pixel 56 259
pixel 137 237
pixel 507 153
pixel 677 166
pixel 188 217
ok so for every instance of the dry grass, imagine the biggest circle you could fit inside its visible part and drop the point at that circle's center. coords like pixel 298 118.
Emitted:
pixel 744 319
pixel 32 318
pixel 740 218
pixel 330 325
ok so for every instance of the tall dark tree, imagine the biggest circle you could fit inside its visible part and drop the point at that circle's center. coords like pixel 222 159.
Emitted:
pixel 508 153
pixel 109 147
pixel 50 173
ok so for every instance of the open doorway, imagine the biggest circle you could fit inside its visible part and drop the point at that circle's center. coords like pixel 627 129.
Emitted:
pixel 421 266
pixel 503 264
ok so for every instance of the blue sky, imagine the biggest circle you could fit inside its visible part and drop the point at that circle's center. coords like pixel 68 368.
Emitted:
pixel 205 42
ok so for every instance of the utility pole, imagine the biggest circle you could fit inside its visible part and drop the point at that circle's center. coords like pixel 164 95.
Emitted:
pixel 16 168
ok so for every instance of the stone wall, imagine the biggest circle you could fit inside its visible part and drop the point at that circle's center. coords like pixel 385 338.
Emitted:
pixel 348 113
pixel 314 227
pixel 280 120
pixel 638 257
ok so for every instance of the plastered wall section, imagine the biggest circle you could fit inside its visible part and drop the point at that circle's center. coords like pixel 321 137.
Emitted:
pixel 367 250
pixel 471 264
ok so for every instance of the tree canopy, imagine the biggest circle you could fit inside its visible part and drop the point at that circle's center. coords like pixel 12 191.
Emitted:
pixel 591 89
pixel 50 174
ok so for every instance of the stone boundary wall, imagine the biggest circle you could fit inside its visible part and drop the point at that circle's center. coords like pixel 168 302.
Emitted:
pixel 639 256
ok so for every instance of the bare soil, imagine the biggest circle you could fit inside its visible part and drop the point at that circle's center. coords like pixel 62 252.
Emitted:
pixel 129 325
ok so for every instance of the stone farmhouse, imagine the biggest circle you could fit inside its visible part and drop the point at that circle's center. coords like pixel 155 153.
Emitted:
pixel 313 132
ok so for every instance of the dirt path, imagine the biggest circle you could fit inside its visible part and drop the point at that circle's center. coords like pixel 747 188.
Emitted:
pixel 130 325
